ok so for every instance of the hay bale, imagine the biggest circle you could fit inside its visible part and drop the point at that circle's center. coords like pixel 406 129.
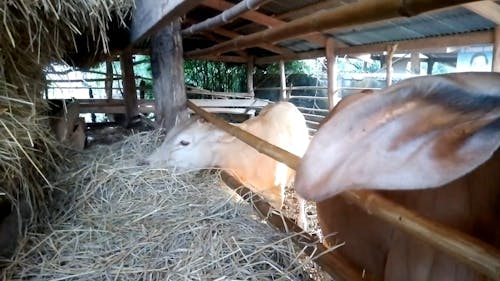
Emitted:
pixel 119 221
pixel 35 34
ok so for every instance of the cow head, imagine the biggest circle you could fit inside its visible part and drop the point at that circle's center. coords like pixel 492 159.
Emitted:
pixel 190 145
pixel 420 133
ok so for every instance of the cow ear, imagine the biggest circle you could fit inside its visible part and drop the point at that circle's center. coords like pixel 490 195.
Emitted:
pixel 421 133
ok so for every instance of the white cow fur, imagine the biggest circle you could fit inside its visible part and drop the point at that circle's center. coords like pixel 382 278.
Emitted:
pixel 197 144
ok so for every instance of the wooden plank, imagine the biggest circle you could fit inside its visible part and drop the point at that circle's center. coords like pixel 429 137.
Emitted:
pixel 129 88
pixel 496 51
pixel 150 16
pixel 168 76
pixel 465 248
pixel 481 37
pixel 357 13
pixel 487 9
pixel 229 103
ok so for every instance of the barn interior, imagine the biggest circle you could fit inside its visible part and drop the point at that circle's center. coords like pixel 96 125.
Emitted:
pixel 72 213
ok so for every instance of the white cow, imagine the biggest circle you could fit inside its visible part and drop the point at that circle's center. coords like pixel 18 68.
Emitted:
pixel 422 133
pixel 197 144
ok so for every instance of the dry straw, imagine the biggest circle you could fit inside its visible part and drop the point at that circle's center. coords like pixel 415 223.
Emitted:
pixel 119 221
pixel 34 34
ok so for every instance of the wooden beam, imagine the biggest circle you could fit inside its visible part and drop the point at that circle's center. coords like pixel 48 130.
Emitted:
pixel 260 18
pixel 331 58
pixel 415 62
pixel 496 51
pixel 129 87
pixel 353 14
pixel 225 58
pixel 226 16
pixel 250 69
pixel 168 76
pixel 150 16
pixel 391 50
pixel 265 46
pixel 465 248
pixel 330 262
pixel 487 9
pixel 482 37
pixel 283 95
pixel 108 84
pixel 309 9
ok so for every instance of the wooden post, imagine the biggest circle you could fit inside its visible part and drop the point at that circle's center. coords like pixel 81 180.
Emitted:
pixel 129 88
pixel 333 97
pixel 142 90
pixel 250 68
pixel 496 51
pixel 92 115
pixel 168 76
pixel 388 63
pixel 283 96
pixel 415 62
pixel 108 84
pixel 430 66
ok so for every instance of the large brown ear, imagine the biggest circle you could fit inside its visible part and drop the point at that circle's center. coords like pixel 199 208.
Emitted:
pixel 421 133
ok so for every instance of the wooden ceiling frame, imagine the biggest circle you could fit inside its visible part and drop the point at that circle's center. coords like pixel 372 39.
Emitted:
pixel 345 16
pixel 486 9
pixel 263 19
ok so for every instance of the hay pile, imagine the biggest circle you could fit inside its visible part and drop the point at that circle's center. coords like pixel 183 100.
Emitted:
pixel 123 222
pixel 34 34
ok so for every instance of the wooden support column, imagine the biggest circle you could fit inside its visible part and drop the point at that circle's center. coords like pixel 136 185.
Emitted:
pixel 108 84
pixel 391 49
pixel 168 76
pixel 430 66
pixel 415 62
pixel 496 51
pixel 331 58
pixel 129 88
pixel 250 68
pixel 283 95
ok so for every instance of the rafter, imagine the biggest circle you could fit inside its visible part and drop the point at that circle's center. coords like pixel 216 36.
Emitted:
pixel 260 18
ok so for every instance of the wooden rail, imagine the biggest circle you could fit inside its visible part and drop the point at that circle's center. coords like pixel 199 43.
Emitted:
pixel 331 262
pixel 467 249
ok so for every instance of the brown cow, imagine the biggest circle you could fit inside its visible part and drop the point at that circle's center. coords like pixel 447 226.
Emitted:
pixel 440 131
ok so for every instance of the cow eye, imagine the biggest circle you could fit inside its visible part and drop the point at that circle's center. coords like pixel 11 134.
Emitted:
pixel 184 143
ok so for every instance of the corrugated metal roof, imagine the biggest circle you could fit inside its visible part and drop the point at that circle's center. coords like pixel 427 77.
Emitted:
pixel 448 22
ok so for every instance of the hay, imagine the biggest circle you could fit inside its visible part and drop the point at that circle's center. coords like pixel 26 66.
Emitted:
pixel 33 35
pixel 123 222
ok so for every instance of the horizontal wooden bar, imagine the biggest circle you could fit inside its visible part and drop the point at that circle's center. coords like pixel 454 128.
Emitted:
pixel 313 109
pixel 465 248
pixel 330 262
pixel 308 98
pixel 472 38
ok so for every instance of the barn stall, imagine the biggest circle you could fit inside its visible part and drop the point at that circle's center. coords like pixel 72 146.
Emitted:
pixel 36 175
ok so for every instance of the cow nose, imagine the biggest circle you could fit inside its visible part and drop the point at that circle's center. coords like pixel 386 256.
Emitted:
pixel 143 162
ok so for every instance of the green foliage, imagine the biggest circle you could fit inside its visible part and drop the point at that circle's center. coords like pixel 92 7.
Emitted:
pixel 215 76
